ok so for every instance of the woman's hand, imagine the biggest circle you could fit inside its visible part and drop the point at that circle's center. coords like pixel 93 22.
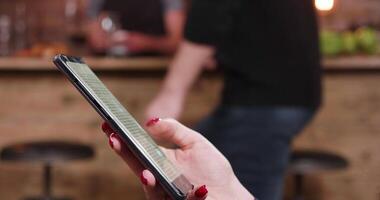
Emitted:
pixel 195 156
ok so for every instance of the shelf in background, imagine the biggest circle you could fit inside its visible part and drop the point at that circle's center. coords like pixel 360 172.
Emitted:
pixel 352 63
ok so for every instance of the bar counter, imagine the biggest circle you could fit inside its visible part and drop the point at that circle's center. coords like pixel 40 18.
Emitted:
pixel 38 104
pixel 96 63
pixel 161 63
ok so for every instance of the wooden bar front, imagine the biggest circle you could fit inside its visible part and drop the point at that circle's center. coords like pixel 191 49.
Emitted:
pixel 38 103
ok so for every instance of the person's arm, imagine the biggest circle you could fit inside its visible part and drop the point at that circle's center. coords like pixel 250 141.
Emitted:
pixel 208 24
pixel 186 66
pixel 183 71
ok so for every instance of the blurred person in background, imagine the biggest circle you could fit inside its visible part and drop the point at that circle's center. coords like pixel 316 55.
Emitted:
pixel 146 26
pixel 269 54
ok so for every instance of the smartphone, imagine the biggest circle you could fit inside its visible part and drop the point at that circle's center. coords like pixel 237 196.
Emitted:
pixel 134 136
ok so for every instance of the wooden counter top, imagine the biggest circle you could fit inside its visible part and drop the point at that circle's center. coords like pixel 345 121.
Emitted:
pixel 160 63
pixel 111 64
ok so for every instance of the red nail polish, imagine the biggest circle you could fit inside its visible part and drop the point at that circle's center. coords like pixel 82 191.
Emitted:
pixel 143 179
pixel 110 140
pixel 106 128
pixel 201 192
pixel 152 121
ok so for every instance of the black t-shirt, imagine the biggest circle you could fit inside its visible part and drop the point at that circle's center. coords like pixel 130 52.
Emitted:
pixel 268 49
pixel 144 16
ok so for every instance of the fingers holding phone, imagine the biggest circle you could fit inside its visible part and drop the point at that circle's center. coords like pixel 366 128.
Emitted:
pixel 151 188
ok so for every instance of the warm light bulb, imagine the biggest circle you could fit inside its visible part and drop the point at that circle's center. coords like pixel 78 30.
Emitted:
pixel 324 5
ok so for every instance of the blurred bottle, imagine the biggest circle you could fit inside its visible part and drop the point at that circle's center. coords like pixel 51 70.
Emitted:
pixel 5 35
pixel 20 27
pixel 110 23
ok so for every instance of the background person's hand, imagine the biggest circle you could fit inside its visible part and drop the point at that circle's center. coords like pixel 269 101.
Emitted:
pixel 97 37
pixel 196 157
pixel 134 41
pixel 138 42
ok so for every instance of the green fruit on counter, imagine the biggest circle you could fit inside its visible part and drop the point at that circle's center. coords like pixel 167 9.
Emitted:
pixel 331 43
pixel 367 40
pixel 349 43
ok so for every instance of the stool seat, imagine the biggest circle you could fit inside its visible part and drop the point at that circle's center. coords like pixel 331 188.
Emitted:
pixel 304 162
pixel 47 151
pixel 307 162
pixel 46 198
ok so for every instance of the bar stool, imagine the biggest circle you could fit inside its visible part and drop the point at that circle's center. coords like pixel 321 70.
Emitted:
pixel 308 162
pixel 47 153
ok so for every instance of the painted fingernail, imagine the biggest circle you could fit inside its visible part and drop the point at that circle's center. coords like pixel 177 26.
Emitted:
pixel 110 139
pixel 106 128
pixel 143 179
pixel 201 191
pixel 152 121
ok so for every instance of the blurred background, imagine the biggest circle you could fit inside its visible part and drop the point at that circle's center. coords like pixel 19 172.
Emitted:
pixel 38 104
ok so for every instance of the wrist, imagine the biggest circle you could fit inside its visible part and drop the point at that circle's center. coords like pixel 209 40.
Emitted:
pixel 234 190
pixel 240 191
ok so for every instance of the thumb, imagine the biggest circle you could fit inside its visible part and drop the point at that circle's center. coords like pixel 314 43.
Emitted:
pixel 170 130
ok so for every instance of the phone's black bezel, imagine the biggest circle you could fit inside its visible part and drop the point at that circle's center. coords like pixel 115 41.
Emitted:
pixel 60 62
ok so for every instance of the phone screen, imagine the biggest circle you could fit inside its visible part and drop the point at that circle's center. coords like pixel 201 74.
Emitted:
pixel 122 117
pixel 92 86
